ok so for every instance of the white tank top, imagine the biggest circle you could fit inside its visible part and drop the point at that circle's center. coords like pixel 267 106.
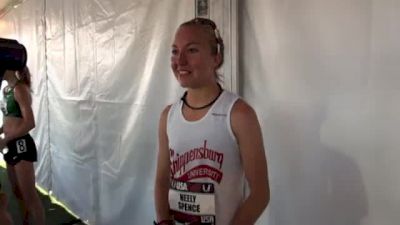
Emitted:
pixel 203 153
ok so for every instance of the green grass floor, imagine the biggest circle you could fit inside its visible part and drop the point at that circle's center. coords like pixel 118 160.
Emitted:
pixel 55 213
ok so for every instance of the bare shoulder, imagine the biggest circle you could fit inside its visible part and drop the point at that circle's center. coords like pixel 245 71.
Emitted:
pixel 163 117
pixel 22 93
pixel 165 111
pixel 244 120
pixel 242 111
pixel 22 88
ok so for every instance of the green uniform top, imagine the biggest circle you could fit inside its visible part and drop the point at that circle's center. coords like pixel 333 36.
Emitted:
pixel 10 106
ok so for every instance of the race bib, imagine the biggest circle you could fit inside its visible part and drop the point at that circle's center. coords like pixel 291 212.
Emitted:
pixel 192 203
pixel 21 146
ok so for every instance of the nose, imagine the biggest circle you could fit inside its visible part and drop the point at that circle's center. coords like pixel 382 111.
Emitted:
pixel 182 60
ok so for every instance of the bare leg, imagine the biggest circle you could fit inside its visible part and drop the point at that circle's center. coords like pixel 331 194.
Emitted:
pixel 26 182
pixel 5 217
pixel 12 177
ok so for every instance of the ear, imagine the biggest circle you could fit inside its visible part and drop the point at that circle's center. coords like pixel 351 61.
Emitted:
pixel 218 60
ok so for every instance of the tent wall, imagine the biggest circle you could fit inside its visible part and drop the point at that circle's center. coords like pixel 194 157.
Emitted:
pixel 322 76
pixel 26 24
pixel 102 76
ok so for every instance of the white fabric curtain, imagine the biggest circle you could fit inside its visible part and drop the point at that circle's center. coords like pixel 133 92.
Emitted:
pixel 25 23
pixel 102 76
pixel 324 77
pixel 109 77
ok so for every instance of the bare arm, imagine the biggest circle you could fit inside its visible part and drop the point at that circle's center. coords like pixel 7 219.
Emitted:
pixel 3 143
pixel 23 97
pixel 163 170
pixel 247 130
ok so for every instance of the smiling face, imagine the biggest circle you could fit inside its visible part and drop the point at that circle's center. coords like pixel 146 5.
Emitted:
pixel 193 61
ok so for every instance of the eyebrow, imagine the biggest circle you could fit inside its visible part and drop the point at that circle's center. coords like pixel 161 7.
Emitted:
pixel 190 43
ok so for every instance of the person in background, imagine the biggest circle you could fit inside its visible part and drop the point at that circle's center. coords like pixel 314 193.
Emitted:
pixel 18 120
pixel 210 141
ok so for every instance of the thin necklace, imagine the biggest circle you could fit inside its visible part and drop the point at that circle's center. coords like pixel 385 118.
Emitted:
pixel 204 106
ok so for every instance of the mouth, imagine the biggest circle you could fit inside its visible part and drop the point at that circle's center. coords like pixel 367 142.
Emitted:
pixel 183 72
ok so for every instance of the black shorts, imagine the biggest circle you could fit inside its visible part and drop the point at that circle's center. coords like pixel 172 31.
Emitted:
pixel 22 148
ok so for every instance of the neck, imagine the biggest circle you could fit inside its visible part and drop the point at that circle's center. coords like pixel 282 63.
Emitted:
pixel 197 99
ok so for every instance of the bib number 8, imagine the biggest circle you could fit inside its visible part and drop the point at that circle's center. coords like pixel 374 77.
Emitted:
pixel 21 146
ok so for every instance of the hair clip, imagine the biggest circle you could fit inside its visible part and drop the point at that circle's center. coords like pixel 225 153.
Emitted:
pixel 17 75
pixel 217 35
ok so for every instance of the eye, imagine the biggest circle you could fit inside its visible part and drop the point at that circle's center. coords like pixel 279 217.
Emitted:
pixel 174 51
pixel 192 50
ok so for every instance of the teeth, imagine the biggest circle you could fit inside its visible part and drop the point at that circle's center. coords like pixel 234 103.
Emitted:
pixel 183 72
